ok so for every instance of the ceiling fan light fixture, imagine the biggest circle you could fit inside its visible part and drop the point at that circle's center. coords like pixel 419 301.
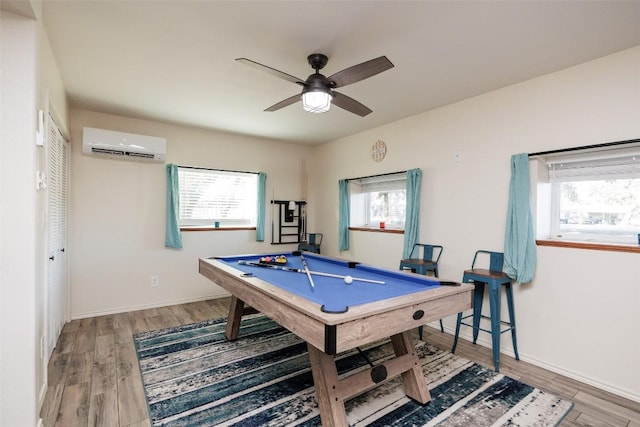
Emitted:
pixel 316 101
pixel 318 90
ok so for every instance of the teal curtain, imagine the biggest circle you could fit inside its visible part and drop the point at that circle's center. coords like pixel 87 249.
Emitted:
pixel 173 238
pixel 519 240
pixel 262 191
pixel 412 216
pixel 343 214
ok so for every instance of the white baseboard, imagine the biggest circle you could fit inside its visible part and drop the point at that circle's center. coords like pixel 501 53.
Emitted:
pixel 145 306
pixel 41 396
pixel 578 377
pixel 484 341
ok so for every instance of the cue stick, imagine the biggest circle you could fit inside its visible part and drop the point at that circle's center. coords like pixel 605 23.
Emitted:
pixel 298 270
pixel 273 198
pixel 306 270
pixel 364 356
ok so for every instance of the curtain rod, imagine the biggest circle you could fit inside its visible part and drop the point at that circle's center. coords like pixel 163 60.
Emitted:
pixel 585 147
pixel 214 169
pixel 373 176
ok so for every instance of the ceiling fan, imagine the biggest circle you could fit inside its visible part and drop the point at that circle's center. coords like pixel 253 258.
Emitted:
pixel 318 91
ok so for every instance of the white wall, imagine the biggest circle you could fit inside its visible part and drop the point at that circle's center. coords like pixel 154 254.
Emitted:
pixel 51 99
pixel 18 221
pixel 30 82
pixel 580 316
pixel 117 215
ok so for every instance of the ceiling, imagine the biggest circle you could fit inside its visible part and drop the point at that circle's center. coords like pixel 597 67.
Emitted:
pixel 174 61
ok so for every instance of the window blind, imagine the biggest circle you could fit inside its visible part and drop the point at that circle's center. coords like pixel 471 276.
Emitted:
pixel 382 183
pixel 595 165
pixel 211 195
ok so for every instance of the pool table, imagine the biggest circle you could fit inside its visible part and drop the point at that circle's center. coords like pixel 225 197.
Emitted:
pixel 317 304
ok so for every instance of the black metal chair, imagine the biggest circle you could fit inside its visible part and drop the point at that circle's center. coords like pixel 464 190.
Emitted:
pixel 423 264
pixel 312 244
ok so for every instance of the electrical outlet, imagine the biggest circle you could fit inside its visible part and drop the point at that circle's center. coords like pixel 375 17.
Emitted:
pixel 457 157
pixel 154 281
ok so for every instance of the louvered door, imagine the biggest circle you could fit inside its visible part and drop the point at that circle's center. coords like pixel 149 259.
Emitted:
pixel 57 220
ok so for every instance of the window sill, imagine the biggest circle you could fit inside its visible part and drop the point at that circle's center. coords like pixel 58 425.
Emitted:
pixel 591 246
pixel 378 230
pixel 215 228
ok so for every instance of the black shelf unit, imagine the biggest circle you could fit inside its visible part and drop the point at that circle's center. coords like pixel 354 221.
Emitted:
pixel 288 225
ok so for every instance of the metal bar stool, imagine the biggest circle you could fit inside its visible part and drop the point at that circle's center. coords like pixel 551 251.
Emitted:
pixel 429 262
pixel 312 244
pixel 496 279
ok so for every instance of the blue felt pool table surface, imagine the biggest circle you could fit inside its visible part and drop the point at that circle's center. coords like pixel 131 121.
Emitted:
pixel 333 294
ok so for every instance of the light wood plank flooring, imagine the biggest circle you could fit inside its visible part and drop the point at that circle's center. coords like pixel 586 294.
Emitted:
pixel 94 378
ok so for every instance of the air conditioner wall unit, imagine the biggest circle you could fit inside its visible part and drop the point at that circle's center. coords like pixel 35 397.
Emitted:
pixel 122 145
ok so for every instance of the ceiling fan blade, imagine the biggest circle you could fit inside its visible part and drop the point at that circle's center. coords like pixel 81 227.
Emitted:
pixel 360 72
pixel 272 71
pixel 349 104
pixel 284 103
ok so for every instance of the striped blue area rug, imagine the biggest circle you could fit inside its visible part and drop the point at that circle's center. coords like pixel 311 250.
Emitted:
pixel 194 377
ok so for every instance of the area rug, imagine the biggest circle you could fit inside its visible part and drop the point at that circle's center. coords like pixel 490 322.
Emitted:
pixel 194 377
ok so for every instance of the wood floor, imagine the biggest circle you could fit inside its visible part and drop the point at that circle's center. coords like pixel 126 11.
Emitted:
pixel 94 378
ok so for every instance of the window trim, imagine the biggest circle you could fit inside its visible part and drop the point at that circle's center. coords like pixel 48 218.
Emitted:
pixel 591 246
pixel 372 180
pixel 211 227
pixel 547 208
pixel 378 230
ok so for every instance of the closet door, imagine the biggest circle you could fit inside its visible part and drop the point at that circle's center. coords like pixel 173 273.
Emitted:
pixel 58 159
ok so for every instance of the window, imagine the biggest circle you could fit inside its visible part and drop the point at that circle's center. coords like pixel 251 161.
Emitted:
pixel 594 196
pixel 210 196
pixel 381 198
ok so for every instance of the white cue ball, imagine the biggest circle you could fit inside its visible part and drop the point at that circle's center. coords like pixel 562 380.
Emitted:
pixel 348 280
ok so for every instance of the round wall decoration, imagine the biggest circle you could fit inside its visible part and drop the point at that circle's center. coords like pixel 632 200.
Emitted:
pixel 378 151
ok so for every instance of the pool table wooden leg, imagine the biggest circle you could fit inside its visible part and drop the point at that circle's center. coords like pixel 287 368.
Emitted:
pixel 413 380
pixel 325 381
pixel 236 309
pixel 331 391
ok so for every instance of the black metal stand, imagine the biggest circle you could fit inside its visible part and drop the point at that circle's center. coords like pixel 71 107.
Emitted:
pixel 288 225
